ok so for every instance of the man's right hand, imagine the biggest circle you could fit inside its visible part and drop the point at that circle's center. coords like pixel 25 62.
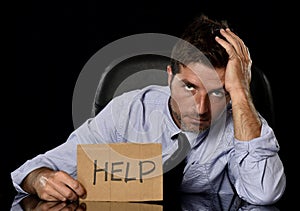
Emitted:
pixel 52 185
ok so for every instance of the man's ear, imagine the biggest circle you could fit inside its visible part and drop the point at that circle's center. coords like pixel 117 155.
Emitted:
pixel 170 75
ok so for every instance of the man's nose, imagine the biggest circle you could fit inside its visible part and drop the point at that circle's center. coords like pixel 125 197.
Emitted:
pixel 202 103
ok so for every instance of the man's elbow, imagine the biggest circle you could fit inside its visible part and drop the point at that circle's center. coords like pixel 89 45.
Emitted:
pixel 270 195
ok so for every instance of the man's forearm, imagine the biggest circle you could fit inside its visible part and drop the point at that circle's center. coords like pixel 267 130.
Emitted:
pixel 247 124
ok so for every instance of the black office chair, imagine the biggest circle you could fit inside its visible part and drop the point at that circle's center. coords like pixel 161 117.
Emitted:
pixel 135 72
pixel 142 70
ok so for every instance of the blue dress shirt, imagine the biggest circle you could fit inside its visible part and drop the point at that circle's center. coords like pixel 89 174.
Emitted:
pixel 217 163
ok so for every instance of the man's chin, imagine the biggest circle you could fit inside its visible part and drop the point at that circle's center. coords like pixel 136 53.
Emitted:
pixel 193 129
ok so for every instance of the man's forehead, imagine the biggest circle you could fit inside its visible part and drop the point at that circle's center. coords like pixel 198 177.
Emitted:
pixel 204 73
pixel 205 70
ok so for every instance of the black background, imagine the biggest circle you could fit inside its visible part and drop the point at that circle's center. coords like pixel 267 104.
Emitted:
pixel 52 41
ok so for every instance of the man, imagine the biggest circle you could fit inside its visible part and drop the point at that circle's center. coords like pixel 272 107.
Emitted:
pixel 233 149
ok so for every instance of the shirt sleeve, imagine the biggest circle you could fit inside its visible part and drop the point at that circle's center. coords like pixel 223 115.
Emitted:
pixel 64 156
pixel 256 169
pixel 119 121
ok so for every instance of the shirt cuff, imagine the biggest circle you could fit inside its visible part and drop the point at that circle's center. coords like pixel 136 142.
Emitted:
pixel 258 148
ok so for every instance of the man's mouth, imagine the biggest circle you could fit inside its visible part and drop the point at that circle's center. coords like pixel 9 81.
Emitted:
pixel 198 120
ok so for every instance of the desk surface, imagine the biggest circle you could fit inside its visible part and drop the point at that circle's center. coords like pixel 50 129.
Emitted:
pixel 10 200
pixel 180 202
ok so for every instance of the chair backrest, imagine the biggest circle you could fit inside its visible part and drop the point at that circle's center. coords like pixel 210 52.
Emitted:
pixel 142 70
pixel 132 73
pixel 262 95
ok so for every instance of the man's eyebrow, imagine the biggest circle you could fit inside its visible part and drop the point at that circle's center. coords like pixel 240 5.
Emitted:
pixel 187 82
pixel 220 88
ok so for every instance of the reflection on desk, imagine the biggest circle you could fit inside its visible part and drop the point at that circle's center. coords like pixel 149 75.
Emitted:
pixel 187 202
pixel 218 202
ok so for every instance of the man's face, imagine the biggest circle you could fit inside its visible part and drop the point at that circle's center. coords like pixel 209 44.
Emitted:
pixel 197 96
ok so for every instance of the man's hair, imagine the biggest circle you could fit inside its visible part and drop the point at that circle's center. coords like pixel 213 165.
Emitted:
pixel 198 44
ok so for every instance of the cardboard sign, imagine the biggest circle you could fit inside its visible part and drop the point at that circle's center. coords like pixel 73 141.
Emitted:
pixel 120 171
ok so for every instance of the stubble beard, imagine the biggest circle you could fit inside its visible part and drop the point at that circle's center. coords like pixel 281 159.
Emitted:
pixel 183 126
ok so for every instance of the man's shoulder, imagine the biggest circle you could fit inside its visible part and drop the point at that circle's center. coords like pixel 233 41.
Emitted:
pixel 149 93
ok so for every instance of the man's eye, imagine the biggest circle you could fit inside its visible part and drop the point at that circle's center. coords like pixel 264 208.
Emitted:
pixel 189 87
pixel 219 94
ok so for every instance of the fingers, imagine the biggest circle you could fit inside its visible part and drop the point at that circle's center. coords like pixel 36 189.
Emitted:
pixel 60 186
pixel 238 69
pixel 234 45
pixel 68 183
pixel 234 40
pixel 51 205
pixel 230 49
pixel 55 206
pixel 241 50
